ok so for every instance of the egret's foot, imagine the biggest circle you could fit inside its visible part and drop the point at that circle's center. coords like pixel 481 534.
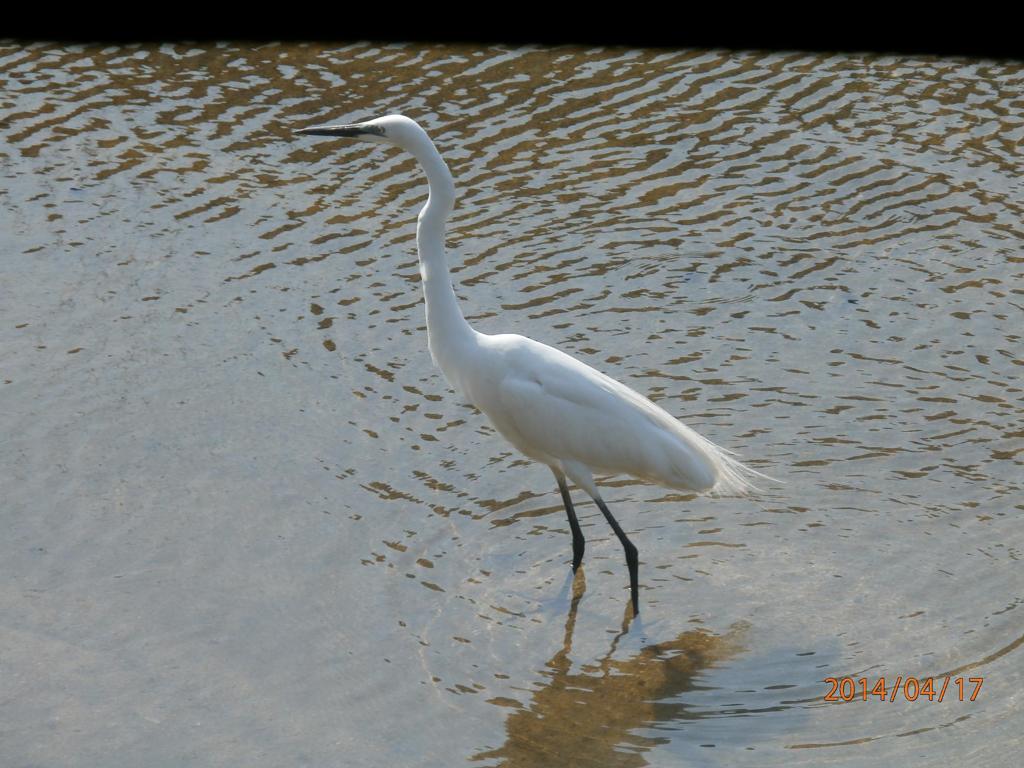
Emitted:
pixel 633 562
pixel 577 554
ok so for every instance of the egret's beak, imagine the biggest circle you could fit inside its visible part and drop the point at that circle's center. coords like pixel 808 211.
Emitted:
pixel 359 129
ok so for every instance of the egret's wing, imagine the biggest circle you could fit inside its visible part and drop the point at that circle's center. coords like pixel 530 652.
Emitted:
pixel 556 405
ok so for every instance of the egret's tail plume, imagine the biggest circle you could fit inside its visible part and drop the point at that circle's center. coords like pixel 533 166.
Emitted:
pixel 734 477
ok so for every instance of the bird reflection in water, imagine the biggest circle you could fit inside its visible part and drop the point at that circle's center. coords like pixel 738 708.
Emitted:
pixel 589 717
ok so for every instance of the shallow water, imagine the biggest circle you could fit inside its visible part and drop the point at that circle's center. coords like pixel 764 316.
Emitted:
pixel 247 522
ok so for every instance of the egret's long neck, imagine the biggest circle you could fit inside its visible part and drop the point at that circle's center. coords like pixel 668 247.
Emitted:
pixel 447 330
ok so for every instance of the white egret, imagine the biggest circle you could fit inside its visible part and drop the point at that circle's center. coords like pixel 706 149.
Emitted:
pixel 550 406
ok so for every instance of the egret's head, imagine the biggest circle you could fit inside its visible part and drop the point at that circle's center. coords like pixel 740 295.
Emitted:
pixel 390 129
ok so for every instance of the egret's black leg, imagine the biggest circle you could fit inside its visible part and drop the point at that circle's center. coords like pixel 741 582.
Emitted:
pixel 632 560
pixel 578 542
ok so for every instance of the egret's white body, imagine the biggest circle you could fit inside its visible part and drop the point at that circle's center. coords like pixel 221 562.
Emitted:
pixel 552 407
pixel 573 418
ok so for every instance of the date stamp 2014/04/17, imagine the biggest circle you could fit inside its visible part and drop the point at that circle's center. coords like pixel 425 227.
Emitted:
pixel 911 688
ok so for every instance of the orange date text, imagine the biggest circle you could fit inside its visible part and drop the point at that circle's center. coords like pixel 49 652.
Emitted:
pixel 909 688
